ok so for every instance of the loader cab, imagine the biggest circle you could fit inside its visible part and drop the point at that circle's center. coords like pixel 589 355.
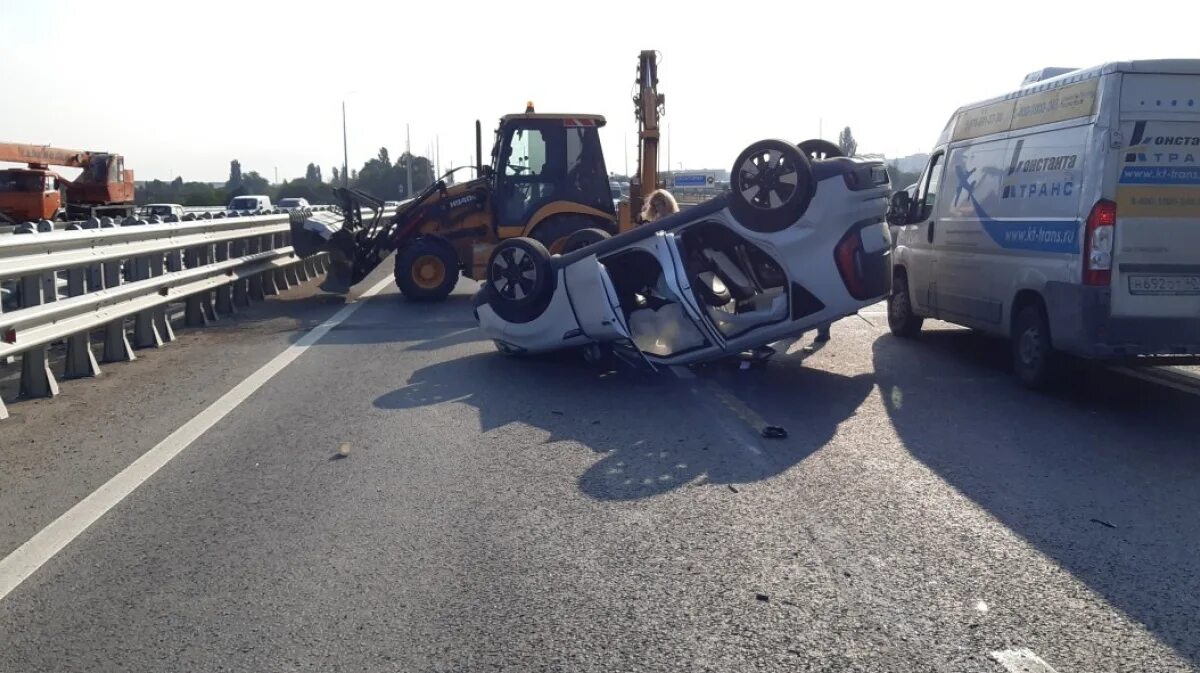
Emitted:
pixel 545 159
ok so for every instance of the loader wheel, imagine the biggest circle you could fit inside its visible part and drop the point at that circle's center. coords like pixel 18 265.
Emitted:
pixel 557 229
pixel 427 270
pixel 520 281
pixel 772 185
pixel 583 238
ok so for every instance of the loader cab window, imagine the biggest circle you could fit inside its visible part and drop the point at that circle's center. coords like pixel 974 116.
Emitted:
pixel 541 161
pixel 526 153
pixel 587 176
pixel 529 170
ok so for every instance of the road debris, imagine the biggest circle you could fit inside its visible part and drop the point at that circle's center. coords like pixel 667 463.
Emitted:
pixel 342 452
pixel 732 487
pixel 762 597
pixel 774 432
pixel 1103 523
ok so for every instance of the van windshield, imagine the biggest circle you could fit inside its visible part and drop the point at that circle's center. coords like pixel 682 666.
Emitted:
pixel 244 204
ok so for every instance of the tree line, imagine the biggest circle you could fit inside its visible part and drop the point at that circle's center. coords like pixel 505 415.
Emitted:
pixel 379 177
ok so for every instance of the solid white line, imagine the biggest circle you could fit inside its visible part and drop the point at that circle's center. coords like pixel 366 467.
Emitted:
pixel 26 559
pixel 1022 661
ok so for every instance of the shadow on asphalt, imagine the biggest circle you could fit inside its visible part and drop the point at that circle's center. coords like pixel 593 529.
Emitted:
pixel 1103 477
pixel 621 415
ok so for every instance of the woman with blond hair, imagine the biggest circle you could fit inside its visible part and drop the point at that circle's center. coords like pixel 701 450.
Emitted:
pixel 658 205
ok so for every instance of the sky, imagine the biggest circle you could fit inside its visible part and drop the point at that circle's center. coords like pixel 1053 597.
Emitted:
pixel 181 88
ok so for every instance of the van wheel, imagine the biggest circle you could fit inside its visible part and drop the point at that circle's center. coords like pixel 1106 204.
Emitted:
pixel 1035 362
pixel 901 320
pixel 427 270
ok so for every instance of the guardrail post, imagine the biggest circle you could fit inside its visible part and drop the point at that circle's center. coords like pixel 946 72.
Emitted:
pixel 194 314
pixel 165 331
pixel 301 270
pixel 241 286
pixel 49 287
pixel 36 378
pixel 206 297
pixel 257 291
pixel 145 331
pixel 289 272
pixel 116 342
pixel 276 276
pixel 270 278
pixel 225 292
pixel 81 361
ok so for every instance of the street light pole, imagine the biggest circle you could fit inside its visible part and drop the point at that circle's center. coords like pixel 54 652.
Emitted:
pixel 345 150
pixel 409 167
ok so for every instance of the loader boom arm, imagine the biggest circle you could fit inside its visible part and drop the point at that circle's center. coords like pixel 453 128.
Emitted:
pixel 649 106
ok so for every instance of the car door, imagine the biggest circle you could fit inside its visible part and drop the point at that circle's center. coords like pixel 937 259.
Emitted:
pixel 594 301
pixel 920 237
pixel 677 280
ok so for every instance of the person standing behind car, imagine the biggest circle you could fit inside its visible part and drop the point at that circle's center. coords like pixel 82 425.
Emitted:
pixel 658 205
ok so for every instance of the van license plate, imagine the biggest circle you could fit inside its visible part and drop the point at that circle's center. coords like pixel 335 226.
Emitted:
pixel 1164 285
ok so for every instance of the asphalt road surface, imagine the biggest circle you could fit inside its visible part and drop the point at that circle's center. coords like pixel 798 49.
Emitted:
pixel 400 497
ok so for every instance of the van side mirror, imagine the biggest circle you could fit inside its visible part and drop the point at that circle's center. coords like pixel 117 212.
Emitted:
pixel 899 208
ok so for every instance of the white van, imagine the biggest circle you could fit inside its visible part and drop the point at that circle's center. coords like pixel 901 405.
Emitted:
pixel 1064 215
pixel 251 203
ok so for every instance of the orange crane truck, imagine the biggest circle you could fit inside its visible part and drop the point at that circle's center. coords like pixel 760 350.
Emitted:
pixel 38 193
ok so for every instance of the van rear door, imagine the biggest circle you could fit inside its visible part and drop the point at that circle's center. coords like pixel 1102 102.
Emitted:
pixel 1156 260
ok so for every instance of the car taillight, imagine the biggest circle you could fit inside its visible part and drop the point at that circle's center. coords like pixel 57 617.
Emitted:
pixel 1098 239
pixel 845 255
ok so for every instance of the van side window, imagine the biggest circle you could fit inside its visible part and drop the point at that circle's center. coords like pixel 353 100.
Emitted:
pixel 927 194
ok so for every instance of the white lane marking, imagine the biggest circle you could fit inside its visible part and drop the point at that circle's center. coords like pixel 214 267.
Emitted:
pixel 1022 661
pixel 26 559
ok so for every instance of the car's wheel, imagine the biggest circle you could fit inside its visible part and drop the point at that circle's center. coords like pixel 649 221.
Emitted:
pixel 771 184
pixel 1035 361
pixel 901 320
pixel 583 238
pixel 556 229
pixel 817 150
pixel 426 269
pixel 520 280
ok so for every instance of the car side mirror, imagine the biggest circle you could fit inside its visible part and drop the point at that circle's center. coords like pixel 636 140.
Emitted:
pixel 899 208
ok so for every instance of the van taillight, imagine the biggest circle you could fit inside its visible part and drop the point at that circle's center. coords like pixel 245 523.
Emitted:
pixel 1098 243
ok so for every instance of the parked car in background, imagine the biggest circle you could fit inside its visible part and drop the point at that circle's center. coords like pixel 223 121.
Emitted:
pixel 251 203
pixel 293 203
pixel 163 210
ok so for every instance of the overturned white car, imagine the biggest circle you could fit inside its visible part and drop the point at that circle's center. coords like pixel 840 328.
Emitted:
pixel 795 243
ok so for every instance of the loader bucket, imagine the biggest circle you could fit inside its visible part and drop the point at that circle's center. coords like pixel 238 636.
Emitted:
pixel 313 233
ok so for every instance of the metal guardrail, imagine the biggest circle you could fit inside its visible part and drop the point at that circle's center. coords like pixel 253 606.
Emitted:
pixel 115 274
pixel 45 226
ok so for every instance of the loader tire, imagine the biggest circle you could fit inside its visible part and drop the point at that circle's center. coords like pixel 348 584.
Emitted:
pixel 426 269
